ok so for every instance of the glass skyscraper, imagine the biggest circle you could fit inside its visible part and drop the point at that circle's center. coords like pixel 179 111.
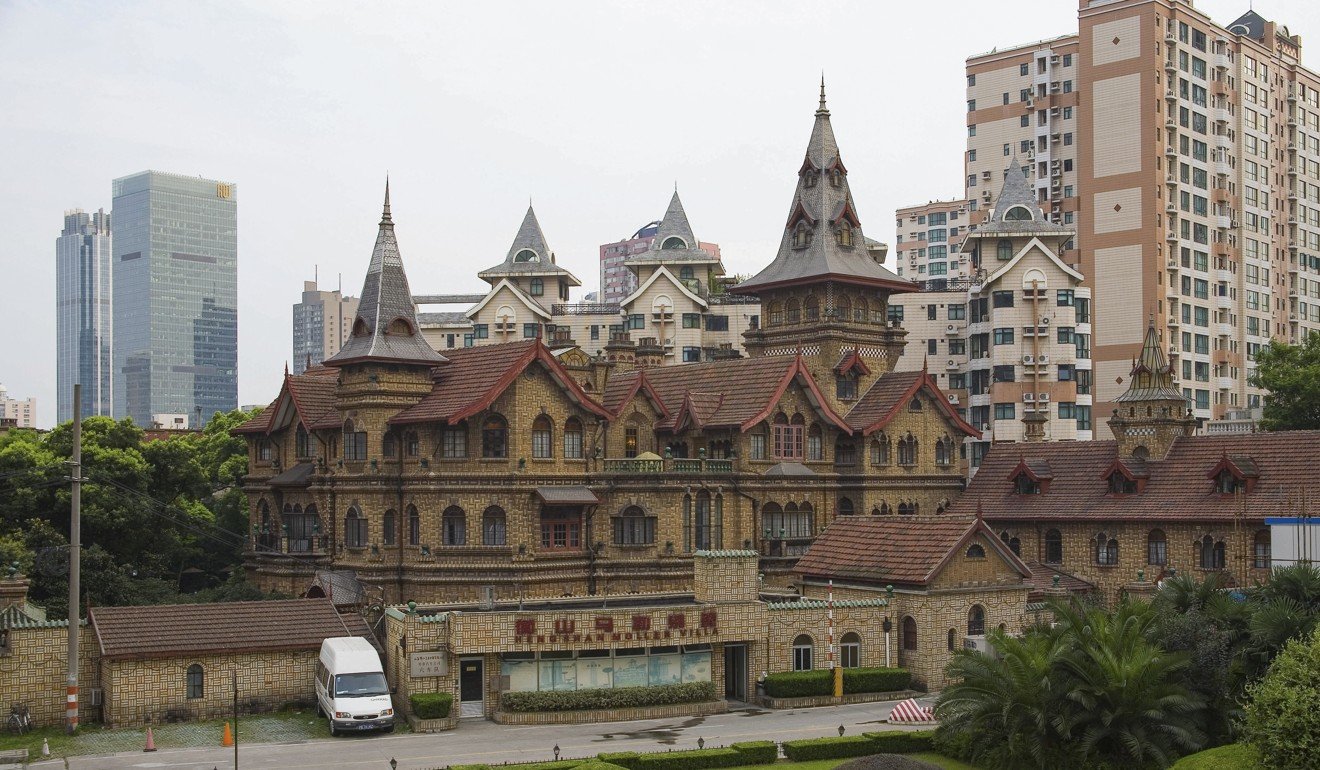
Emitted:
pixel 175 296
pixel 82 314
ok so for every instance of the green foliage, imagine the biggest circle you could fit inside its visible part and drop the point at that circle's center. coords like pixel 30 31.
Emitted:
pixel 803 684
pixel 558 764
pixel 1094 689
pixel 431 705
pixel 469 767
pixel 608 698
pixel 757 752
pixel 626 759
pixel 596 764
pixel 902 741
pixel 1234 756
pixel 699 759
pixel 1291 374
pixel 1283 715
pixel 162 521
pixel 829 748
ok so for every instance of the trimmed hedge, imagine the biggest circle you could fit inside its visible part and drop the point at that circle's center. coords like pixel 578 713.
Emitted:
pixel 596 764
pixel 902 741
pixel 557 764
pixel 757 752
pixel 700 759
pixel 469 767
pixel 627 759
pixel 829 748
pixel 431 705
pixel 1234 756
pixel 608 698
pixel 805 684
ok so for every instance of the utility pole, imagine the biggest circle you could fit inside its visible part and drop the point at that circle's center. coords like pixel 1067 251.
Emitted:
pixel 75 558
pixel 234 683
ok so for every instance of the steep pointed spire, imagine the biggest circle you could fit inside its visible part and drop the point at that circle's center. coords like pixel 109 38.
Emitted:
pixel 528 255
pixel 822 110
pixel 674 241
pixel 1152 375
pixel 674 224
pixel 385 327
pixel 1017 212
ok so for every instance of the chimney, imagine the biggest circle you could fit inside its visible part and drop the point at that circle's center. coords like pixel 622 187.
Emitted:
pixel 649 353
pixel 13 589
pixel 621 352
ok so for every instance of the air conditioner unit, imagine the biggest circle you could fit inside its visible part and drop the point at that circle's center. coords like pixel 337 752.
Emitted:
pixel 953 398
pixel 1045 397
pixel 1028 359
pixel 985 426
pixel 950 327
pixel 1029 398
pixel 92 696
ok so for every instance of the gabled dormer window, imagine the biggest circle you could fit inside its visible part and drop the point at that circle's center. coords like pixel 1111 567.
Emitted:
pixel 1234 474
pixel 809 178
pixel 836 177
pixel 801 235
pixel 845 387
pixel 844 235
pixel 1025 485
pixel 1227 484
pixel 1121 485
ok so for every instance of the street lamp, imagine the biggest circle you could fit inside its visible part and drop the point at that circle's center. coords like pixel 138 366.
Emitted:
pixel 840 731
pixel 556 752
pixel 394 763
pixel 701 743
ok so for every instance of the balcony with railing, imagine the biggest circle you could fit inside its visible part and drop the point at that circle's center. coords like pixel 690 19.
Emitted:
pixel 655 466
pixel 586 308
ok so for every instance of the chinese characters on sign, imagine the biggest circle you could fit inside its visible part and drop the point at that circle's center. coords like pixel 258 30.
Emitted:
pixel 677 626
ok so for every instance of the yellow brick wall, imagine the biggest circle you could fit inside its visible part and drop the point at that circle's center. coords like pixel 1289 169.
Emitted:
pixel 35 672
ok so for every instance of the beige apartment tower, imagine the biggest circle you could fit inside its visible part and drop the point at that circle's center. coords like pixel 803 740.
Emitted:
pixel 321 323
pixel 1186 154
pixel 928 246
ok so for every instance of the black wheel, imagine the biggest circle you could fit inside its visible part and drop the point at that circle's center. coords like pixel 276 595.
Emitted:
pixel 389 729
pixel 332 730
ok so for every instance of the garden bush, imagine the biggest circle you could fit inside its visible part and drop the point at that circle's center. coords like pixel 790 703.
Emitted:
pixel 1234 756
pixel 469 767
pixel 596 764
pixel 804 684
pixel 431 705
pixel 557 764
pixel 757 752
pixel 700 759
pixel 829 748
pixel 626 759
pixel 608 698
pixel 1283 715
pixel 902 741
pixel 886 762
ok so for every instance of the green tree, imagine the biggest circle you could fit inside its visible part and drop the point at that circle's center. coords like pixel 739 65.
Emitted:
pixel 1291 374
pixel 1283 715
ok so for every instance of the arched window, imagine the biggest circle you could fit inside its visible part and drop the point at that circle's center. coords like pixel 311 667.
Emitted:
pixel 915 404
pixel 526 255
pixel 1013 543
pixel 1053 547
pixel 953 638
pixel 1018 214
pixel 537 287
pixel 633 527
pixel 802 647
pixel 907 450
pixel 453 441
pixel 414 526
pixel 907 509
pixel 801 235
pixel 861 310
pixel 1261 550
pixel 355 528
pixel 811 308
pixel 885 510
pixel 792 311
pixel 976 621
pixel 843 235
pixel 850 650
pixel 685 273
pixel 573 439
pixel 542 438
pixel 495 437
pixel 453 526
pixel 1210 553
pixel 943 451
pixel 880 449
pixel 196 681
pixel 758 442
pixel 1004 249
pixel 389 445
pixel 814 449
pixel 411 446
pixel 302 444
pixel 673 242
pixel 1106 550
pixel 387 530
pixel 1157 548
pixel 355 442
pixel 976 551
pixel 845 451
pixel 775 313
pixel 909 633
pixel 844 306
pixel 845 506
pixel 493 531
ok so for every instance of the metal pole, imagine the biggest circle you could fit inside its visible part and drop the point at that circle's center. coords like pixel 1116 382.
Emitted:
pixel 836 673
pixel 234 682
pixel 75 544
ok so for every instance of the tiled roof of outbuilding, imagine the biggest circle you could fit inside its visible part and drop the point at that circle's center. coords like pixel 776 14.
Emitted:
pixel 1177 487
pixel 182 630
pixel 894 391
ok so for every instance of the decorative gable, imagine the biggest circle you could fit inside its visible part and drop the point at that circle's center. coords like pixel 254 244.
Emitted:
pixel 1233 474
pixel 1031 477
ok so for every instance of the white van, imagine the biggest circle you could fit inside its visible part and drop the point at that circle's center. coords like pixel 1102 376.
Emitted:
pixel 350 686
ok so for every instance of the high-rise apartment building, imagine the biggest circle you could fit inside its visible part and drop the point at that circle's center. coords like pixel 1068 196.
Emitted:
pixel 321 323
pixel 928 247
pixel 175 296
pixel 83 318
pixel 1186 154
pixel 617 280
pixel 22 412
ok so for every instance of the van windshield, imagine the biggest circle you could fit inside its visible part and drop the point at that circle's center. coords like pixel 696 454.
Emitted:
pixel 360 685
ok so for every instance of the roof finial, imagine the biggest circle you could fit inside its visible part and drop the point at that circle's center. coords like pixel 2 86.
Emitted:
pixel 822 110
pixel 385 218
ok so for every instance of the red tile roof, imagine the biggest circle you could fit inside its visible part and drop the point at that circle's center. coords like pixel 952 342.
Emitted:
pixel 1042 575
pixel 312 395
pixel 475 377
pixel 182 630
pixel 892 393
pixel 908 550
pixel 1177 487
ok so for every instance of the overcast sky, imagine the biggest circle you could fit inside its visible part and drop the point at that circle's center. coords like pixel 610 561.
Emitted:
pixel 593 110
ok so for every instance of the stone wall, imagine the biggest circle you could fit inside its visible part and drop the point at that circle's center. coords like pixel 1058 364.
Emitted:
pixel 34 671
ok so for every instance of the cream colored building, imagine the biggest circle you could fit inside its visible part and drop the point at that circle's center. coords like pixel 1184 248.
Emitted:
pixel 1186 154
pixel 321 323
pixel 1010 346
pixel 23 411
pixel 929 241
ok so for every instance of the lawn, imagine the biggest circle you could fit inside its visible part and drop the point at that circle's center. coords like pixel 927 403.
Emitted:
pixel 274 727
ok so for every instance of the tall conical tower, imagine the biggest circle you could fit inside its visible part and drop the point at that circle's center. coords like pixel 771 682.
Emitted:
pixel 386 364
pixel 824 294
pixel 1152 412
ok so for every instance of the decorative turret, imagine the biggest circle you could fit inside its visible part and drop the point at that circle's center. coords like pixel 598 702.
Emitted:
pixel 825 293
pixel 1015 219
pixel 1152 412
pixel 529 256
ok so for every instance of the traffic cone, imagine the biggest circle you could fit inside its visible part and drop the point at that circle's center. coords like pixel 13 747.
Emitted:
pixel 151 741
pixel 228 739
pixel 45 747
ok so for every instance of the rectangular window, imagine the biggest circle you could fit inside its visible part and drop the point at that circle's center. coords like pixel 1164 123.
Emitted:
pixel 1006 411
pixel 930 346
pixel 541 444
pixel 1005 373
pixel 757 446
pixel 529 330
pixel 1065 298
pixel 630 442
pixel 637 321
pixel 1067 372
pixel 957 347
pixel 845 388
pixel 787 442
pixel 957 312
pixel 691 355
pixel 573 444
pixel 1004 336
pixel 1083 417
pixel 717 323
pixel 454 443
pixel 1065 335
pixel 1003 298
pixel 692 320
pixel 481 331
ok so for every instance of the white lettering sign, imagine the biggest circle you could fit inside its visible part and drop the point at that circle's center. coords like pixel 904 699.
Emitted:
pixel 428 664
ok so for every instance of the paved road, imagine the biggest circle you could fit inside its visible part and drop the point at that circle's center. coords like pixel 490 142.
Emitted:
pixel 487 742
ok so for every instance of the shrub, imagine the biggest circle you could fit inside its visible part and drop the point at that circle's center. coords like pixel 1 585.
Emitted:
pixel 829 748
pixel 596 764
pixel 757 752
pixel 902 741
pixel 957 745
pixel 626 759
pixel 1283 715
pixel 469 767
pixel 886 762
pixel 1234 756
pixel 608 698
pixel 557 764
pixel 700 759
pixel 803 684
pixel 431 705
